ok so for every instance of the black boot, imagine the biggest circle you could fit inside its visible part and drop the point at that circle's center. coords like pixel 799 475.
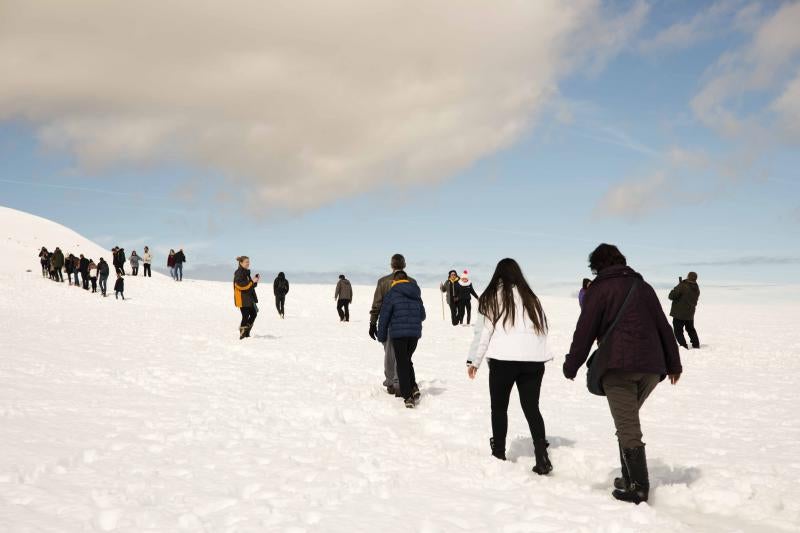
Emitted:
pixel 543 465
pixel 622 483
pixel 639 488
pixel 498 449
pixel 242 332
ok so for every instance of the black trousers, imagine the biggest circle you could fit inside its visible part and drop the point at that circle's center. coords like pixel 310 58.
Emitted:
pixel 678 326
pixel 454 313
pixel 85 276
pixel 135 270
pixel 59 275
pixel 280 303
pixel 94 283
pixel 404 348
pixel 147 272
pixel 528 377
pixel 464 310
pixel 343 308
pixel 248 316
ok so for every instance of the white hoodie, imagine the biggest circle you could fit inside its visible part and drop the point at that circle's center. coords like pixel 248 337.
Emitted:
pixel 519 342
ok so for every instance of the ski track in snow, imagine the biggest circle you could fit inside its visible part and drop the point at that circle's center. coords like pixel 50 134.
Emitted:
pixel 150 415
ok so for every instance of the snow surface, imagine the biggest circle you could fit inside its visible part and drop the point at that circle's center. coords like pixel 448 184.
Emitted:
pixel 150 415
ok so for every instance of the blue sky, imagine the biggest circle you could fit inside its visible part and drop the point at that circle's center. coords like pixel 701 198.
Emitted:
pixel 621 151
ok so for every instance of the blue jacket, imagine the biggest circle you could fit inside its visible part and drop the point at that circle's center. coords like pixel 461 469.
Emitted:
pixel 402 312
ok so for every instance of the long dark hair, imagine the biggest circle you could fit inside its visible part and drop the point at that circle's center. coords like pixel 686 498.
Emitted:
pixel 497 301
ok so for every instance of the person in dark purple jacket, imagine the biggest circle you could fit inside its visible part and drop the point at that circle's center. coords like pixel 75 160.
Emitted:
pixel 642 352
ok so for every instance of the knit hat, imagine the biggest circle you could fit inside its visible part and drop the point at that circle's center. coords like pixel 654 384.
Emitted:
pixel 465 275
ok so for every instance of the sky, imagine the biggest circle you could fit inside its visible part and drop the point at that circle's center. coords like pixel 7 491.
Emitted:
pixel 320 140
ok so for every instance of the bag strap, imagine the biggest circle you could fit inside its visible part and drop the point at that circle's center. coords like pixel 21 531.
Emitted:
pixel 636 283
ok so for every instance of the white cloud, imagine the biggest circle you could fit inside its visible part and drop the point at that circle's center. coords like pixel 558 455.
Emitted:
pixel 637 197
pixel 703 26
pixel 299 103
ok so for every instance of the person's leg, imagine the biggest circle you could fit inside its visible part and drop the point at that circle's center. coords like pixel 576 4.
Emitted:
pixel 462 308
pixel 340 309
pixel 85 276
pixel 283 305
pixel 347 310
pixel 677 325
pixel 501 380
pixel 403 357
pixel 412 347
pixel 692 334
pixel 390 367
pixel 622 393
pixel 469 311
pixel 529 383
pixel 454 313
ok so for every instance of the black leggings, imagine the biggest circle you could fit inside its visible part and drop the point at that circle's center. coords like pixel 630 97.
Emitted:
pixel 280 302
pixel 404 348
pixel 248 316
pixel 147 271
pixel 528 377
pixel 464 310
pixel 454 313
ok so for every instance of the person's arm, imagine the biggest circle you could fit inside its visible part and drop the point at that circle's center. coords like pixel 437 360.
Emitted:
pixel 377 301
pixel 675 294
pixel 242 283
pixel 385 315
pixel 422 310
pixel 586 331
pixel 338 290
pixel 287 286
pixel 672 356
pixel 484 329
pixel 472 291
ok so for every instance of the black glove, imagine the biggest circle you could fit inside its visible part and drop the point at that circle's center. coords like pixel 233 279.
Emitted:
pixel 566 372
pixel 373 331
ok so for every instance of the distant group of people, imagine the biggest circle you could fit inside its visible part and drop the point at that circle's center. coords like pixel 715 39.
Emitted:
pixel 81 271
pixel 118 260
pixel 459 293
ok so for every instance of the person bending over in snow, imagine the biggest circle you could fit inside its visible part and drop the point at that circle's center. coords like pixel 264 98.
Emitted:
pixel 637 351
pixel 465 294
pixel 119 287
pixel 512 333
pixel 684 303
pixel 244 295
pixel 400 322
pixel 281 288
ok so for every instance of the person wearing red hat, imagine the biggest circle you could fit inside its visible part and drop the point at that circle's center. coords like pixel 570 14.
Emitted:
pixel 465 294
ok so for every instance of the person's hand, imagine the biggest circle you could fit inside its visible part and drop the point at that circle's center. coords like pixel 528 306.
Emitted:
pixel 472 372
pixel 373 331
pixel 673 378
pixel 566 372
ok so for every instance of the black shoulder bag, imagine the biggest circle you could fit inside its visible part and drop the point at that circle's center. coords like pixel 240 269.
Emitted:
pixel 598 362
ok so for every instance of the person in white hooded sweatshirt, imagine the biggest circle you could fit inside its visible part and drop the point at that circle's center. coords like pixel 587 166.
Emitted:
pixel 512 334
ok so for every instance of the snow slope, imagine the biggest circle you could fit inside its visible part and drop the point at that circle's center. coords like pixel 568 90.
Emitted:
pixel 150 415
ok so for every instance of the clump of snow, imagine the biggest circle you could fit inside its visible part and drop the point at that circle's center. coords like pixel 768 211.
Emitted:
pixel 151 415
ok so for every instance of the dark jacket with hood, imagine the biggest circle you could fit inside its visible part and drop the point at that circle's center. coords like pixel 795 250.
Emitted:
pixel 381 288
pixel 58 258
pixel 180 257
pixel 102 268
pixel 684 300
pixel 402 312
pixel 84 265
pixel 642 340
pixel 119 285
pixel 281 285
pixel 244 288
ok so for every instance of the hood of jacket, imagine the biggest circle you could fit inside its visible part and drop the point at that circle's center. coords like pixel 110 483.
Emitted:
pixel 409 289
pixel 616 271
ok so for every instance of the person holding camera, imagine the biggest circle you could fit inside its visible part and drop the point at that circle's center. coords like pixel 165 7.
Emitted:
pixel 244 295
pixel 684 303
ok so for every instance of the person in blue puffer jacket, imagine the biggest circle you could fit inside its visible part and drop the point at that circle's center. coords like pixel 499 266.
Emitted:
pixel 400 321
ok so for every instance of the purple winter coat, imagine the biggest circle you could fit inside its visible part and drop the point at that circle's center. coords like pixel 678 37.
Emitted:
pixel 642 340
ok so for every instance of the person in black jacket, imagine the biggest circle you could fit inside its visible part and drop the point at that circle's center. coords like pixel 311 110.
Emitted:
pixel 84 268
pixel 119 287
pixel 69 266
pixel 450 287
pixel 44 260
pixel 244 295
pixel 102 273
pixel 180 259
pixel 465 294
pixel 281 288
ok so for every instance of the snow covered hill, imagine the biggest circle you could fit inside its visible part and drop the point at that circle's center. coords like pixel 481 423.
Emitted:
pixel 150 415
